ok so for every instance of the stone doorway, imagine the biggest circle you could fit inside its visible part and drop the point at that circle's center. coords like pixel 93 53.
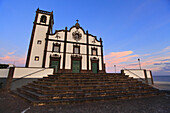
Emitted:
pixel 55 63
pixel 95 65
pixel 76 63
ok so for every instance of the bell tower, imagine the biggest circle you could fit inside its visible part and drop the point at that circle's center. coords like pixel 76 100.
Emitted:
pixel 42 26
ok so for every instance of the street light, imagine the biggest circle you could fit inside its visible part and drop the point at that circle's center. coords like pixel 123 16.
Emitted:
pixel 115 68
pixel 139 63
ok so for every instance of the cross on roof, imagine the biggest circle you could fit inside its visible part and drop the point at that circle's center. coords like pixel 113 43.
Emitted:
pixel 77 20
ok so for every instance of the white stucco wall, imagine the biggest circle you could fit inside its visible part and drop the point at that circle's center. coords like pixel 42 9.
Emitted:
pixel 149 76
pixel 61 34
pixel 99 50
pixel 69 48
pixel 34 72
pixel 84 62
pixel 68 61
pixel 38 49
pixel 140 73
pixel 131 73
pixel 4 73
pixel 148 72
pixel 83 49
pixel 92 38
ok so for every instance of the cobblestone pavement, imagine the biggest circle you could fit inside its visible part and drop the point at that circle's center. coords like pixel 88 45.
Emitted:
pixel 159 104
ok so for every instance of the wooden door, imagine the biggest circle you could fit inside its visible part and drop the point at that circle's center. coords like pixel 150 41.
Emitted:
pixel 94 68
pixel 76 66
pixel 55 65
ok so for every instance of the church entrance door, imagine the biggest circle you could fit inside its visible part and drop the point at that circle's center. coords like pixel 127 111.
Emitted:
pixel 55 65
pixel 76 66
pixel 55 62
pixel 94 67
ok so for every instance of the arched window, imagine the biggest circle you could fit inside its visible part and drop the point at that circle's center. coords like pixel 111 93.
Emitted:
pixel 43 19
pixel 94 51
pixel 56 47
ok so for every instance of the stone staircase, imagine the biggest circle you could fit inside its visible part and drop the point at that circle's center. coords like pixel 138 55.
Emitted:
pixel 75 88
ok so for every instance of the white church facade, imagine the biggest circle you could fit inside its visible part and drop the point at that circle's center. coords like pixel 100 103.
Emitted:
pixel 67 51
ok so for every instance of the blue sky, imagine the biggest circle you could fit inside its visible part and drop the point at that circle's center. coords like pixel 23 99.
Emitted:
pixel 130 29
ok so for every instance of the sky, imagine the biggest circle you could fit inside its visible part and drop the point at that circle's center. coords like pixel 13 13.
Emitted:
pixel 130 29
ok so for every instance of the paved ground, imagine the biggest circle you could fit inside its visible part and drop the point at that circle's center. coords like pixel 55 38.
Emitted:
pixel 160 104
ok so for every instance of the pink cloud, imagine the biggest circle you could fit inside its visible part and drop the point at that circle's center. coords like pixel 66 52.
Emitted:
pixel 13 60
pixel 119 57
pixel 167 48
pixel 11 53
pixel 118 54
pixel 127 60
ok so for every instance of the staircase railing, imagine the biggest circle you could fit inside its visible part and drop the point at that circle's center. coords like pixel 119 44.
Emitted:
pixel 28 75
pixel 135 74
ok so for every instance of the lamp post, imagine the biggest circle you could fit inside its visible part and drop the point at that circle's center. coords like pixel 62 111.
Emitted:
pixel 139 63
pixel 115 68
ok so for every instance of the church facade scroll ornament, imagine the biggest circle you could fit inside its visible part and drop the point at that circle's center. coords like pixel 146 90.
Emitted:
pixel 94 40
pixel 77 35
pixel 57 36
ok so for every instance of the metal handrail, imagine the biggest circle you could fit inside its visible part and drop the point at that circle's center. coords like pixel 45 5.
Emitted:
pixel 134 74
pixel 28 75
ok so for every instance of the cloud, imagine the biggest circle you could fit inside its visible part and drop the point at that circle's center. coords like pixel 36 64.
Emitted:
pixel 11 53
pixel 119 58
pixel 118 54
pixel 166 60
pixel 13 60
pixel 158 62
pixel 167 48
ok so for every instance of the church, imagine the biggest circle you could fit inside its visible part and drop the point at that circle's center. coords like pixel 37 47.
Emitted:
pixel 67 67
pixel 72 50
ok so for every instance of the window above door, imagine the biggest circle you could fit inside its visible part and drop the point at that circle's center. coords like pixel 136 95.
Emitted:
pixel 94 51
pixel 56 47
pixel 76 49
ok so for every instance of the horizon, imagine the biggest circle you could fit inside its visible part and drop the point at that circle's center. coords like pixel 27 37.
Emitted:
pixel 129 30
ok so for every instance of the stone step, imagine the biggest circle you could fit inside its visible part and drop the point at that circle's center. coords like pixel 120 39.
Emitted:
pixel 87 77
pixel 86 87
pixel 23 96
pixel 44 91
pixel 62 84
pixel 87 82
pixel 88 99
pixel 75 88
pixel 81 95
pixel 84 83
pixel 88 74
